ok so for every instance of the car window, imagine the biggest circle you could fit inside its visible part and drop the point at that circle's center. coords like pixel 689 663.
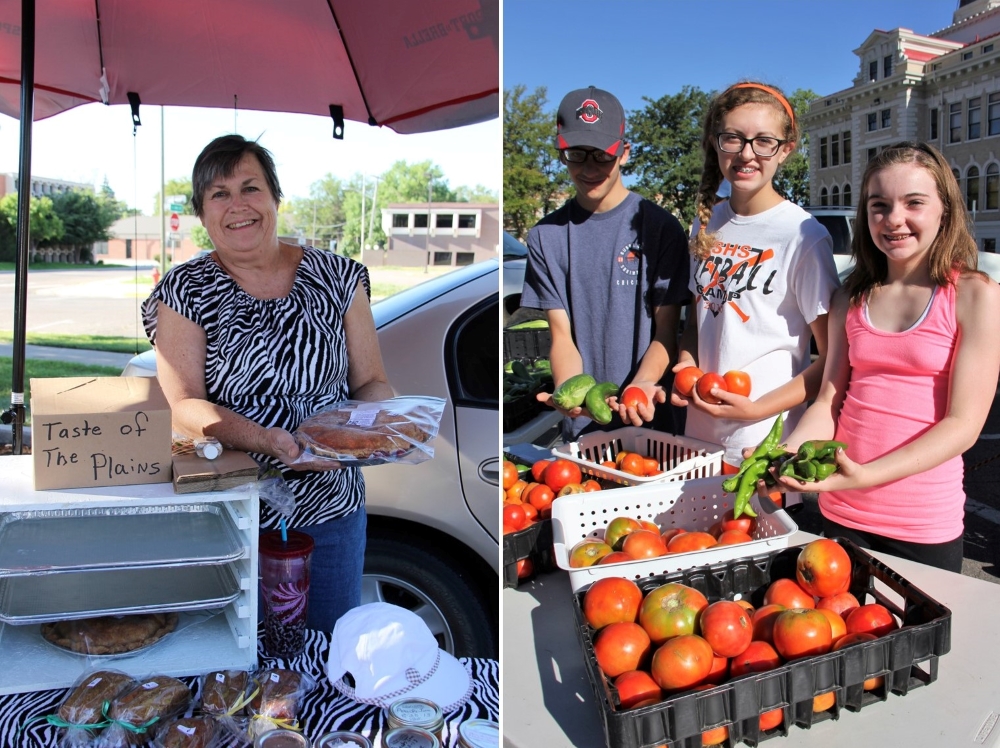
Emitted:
pixel 472 350
pixel 840 231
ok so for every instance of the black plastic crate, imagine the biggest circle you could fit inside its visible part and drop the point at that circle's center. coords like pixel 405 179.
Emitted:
pixel 526 344
pixel 906 658
pixel 534 542
pixel 519 412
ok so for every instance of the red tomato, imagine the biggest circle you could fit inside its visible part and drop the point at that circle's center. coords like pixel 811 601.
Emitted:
pixel 633 397
pixel 588 552
pixel 841 604
pixel 802 632
pixel 770 720
pixel 530 512
pixel 737 382
pixel 671 610
pixel 823 568
pixel 610 464
pixel 513 494
pixel 690 541
pixel 561 472
pixel 873 618
pixel 668 534
pixel 636 685
pixel 707 383
pixel 685 379
pixel 612 600
pixel 824 701
pixel 618 528
pixel 727 627
pixel 746 604
pixel 715 736
pixel 788 593
pixel 620 647
pixel 758 657
pixel 634 464
pixel 732 537
pixel 508 528
pixel 541 498
pixel 650 466
pixel 538 470
pixel 681 662
pixel 763 622
pixel 591 485
pixel 651 526
pixel 644 544
pixel 719 671
pixel 837 626
pixel 509 474
pixel 616 558
pixel 513 515
pixel 525 568
pixel 743 524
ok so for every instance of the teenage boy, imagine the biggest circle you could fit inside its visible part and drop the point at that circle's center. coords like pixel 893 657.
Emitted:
pixel 609 268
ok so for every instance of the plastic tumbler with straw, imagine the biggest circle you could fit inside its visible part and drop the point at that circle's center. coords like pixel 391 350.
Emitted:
pixel 284 587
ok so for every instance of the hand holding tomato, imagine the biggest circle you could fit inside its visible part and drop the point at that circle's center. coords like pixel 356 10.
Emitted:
pixel 637 403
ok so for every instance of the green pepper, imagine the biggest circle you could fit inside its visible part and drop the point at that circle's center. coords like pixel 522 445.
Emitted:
pixel 807 469
pixel 731 484
pixel 825 470
pixel 789 469
pixel 829 449
pixel 807 450
pixel 748 484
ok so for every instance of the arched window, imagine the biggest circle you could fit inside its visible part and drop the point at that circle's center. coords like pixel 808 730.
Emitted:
pixel 992 187
pixel 972 201
pixel 847 195
pixel 823 197
pixel 835 195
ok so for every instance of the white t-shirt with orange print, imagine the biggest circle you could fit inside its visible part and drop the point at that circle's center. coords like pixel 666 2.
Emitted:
pixel 768 277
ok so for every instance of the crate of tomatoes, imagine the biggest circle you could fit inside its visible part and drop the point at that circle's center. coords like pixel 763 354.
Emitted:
pixel 642 531
pixel 749 649
pixel 633 456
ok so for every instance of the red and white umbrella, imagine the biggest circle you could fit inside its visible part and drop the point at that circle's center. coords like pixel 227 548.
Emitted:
pixel 410 65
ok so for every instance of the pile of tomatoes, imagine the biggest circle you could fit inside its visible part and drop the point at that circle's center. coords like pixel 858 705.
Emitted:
pixel 672 639
pixel 628 539
pixel 691 378
pixel 634 463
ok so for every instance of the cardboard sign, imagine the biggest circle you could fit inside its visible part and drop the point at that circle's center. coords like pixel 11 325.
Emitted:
pixel 99 431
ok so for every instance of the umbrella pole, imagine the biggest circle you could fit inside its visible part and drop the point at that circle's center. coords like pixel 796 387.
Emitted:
pixel 23 217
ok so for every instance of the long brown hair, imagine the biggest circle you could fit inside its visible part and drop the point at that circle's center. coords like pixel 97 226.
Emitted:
pixel 954 247
pixel 747 92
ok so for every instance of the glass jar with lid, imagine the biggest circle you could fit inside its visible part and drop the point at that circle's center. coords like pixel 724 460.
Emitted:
pixel 479 733
pixel 341 738
pixel 414 712
pixel 409 737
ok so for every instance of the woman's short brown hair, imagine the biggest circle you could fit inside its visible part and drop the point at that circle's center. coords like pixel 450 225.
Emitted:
pixel 220 158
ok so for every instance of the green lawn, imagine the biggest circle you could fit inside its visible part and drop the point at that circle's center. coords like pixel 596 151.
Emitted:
pixel 45 369
pixel 87 342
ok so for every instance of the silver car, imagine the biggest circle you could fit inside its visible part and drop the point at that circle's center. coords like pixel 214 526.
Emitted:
pixel 433 528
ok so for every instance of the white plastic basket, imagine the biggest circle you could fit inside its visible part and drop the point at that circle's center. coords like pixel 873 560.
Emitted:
pixel 691 505
pixel 680 457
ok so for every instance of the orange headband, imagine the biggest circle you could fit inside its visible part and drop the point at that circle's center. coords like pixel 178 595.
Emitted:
pixel 774 92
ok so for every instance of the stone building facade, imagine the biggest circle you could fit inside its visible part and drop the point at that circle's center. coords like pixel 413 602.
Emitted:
pixel 943 88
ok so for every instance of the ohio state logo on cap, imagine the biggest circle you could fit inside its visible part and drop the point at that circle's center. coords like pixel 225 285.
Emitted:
pixel 589 112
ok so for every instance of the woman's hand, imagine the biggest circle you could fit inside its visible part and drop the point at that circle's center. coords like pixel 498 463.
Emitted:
pixel 642 412
pixel 850 474
pixel 283 446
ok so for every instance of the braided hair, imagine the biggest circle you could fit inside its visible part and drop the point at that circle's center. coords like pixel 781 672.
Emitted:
pixel 748 92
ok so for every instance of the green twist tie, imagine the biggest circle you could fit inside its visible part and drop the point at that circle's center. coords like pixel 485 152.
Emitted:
pixel 138 730
pixel 56 721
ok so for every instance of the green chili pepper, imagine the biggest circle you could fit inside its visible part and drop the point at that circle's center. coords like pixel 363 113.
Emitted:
pixel 807 450
pixel 825 470
pixel 789 469
pixel 829 449
pixel 808 470
pixel 748 484
pixel 771 440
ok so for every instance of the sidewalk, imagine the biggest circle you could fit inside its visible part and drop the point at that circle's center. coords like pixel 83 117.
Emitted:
pixel 73 355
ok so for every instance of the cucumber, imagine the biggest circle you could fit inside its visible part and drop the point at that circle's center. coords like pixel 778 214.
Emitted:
pixel 571 393
pixel 532 324
pixel 594 401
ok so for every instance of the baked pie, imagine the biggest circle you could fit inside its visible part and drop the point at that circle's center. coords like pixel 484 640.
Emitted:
pixel 109 635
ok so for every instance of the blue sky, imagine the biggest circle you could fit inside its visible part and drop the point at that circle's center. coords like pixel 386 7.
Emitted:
pixel 652 48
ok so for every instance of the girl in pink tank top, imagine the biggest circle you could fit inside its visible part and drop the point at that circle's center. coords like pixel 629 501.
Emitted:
pixel 912 365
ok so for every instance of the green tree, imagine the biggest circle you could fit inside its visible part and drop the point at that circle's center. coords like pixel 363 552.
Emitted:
pixel 176 187
pixel 792 179
pixel 85 219
pixel 200 237
pixel 319 217
pixel 666 154
pixel 477 194
pixel 534 182
pixel 44 227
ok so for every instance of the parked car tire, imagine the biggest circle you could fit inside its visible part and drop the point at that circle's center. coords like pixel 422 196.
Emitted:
pixel 421 580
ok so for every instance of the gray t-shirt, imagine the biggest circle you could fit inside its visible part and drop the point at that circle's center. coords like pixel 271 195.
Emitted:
pixel 609 271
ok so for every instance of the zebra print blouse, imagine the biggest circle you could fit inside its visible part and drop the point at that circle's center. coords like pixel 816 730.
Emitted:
pixel 275 361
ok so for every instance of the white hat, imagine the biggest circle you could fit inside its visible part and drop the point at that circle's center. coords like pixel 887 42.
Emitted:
pixel 391 654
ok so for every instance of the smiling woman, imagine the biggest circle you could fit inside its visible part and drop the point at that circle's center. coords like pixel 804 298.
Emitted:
pixel 257 336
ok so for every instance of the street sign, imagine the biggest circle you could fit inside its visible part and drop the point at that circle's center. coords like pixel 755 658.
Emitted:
pixel 176 207
pixel 175 222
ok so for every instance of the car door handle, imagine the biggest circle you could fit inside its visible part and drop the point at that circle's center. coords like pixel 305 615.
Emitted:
pixel 489 471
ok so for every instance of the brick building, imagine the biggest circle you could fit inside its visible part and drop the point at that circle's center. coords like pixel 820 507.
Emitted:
pixel 942 88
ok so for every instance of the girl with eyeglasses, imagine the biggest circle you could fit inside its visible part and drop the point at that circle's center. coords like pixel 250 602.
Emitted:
pixel 912 368
pixel 762 277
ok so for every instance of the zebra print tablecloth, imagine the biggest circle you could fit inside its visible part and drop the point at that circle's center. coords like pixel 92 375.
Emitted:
pixel 323 710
